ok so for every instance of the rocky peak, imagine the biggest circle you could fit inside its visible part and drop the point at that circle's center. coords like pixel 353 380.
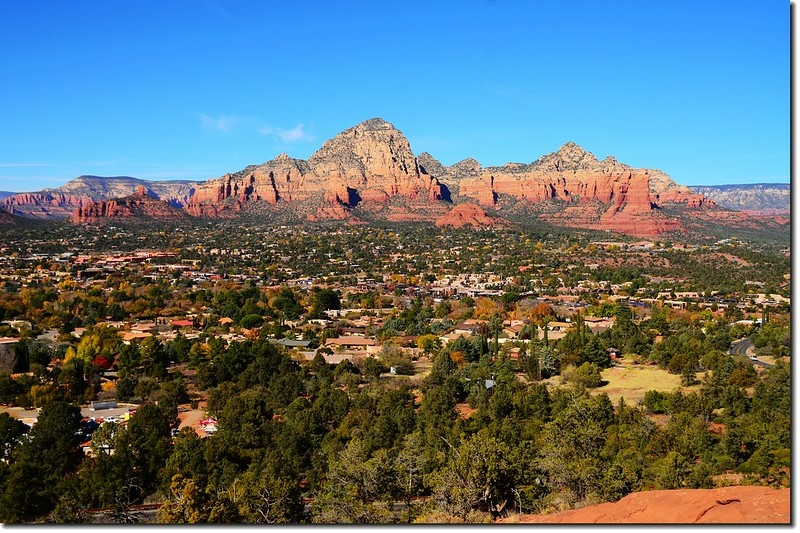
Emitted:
pixel 431 165
pixel 371 148
pixel 465 168
pixel 372 124
pixel 569 157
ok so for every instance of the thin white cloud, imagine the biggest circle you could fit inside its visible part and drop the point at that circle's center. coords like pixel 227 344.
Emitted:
pixel 97 163
pixel 224 123
pixel 229 124
pixel 16 165
pixel 296 134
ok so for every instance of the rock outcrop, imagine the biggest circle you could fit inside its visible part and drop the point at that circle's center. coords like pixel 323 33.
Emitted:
pixel 374 159
pixel 371 163
pixel 469 214
pixel 139 206
pixel 62 201
pixel 727 505
pixel 44 204
pixel 604 195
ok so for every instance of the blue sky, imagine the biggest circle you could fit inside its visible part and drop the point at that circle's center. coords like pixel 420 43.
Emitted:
pixel 194 89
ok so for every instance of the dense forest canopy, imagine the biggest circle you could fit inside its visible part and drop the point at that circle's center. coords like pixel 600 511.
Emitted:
pixel 477 387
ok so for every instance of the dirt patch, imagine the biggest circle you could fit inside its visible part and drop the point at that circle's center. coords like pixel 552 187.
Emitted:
pixel 633 381
pixel 464 411
pixel 422 367
pixel 191 418
pixel 732 258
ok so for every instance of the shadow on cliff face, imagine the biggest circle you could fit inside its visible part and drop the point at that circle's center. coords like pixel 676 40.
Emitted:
pixel 446 195
pixel 353 198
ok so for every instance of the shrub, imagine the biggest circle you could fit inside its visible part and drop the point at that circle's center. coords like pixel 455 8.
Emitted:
pixel 587 375
pixel 251 321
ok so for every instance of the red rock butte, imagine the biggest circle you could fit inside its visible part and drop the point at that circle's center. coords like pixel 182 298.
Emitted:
pixel 139 205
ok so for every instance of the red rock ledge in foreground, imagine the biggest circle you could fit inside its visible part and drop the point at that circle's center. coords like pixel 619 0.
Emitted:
pixel 727 505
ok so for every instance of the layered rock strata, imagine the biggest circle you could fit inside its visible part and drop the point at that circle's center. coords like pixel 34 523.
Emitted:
pixel 139 206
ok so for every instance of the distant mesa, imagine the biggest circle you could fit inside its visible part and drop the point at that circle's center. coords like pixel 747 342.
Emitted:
pixel 753 199
pixel 61 202
pixel 369 173
pixel 140 206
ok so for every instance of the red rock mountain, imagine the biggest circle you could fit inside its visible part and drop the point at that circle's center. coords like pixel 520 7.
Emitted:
pixel 62 202
pixel 371 166
pixel 369 173
pixel 589 193
pixel 139 206
pixel 44 204
pixel 370 163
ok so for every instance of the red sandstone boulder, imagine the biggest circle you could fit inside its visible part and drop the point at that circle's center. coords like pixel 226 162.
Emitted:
pixel 727 505
pixel 138 206
pixel 469 214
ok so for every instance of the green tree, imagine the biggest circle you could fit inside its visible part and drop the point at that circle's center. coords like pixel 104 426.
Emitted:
pixel 587 375
pixel 11 430
pixel 357 489
pixel 571 449
pixel 286 304
pixel 477 477
pixel 187 504
pixel 253 320
pixel 41 463
pixel 266 495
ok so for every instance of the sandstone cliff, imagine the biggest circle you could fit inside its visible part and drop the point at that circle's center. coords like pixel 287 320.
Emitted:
pixel 371 166
pixel 370 163
pixel 44 204
pixel 62 201
pixel 604 195
pixel 138 206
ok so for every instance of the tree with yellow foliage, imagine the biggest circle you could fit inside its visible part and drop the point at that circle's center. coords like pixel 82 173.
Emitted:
pixel 486 308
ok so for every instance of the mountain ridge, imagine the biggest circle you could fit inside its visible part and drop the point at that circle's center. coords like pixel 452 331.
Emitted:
pixel 369 172
pixel 62 201
pixel 753 198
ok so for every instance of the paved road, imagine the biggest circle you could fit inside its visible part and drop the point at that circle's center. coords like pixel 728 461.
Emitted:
pixel 745 347
pixel 741 347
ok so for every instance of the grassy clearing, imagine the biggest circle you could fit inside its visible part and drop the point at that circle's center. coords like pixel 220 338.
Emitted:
pixel 633 381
